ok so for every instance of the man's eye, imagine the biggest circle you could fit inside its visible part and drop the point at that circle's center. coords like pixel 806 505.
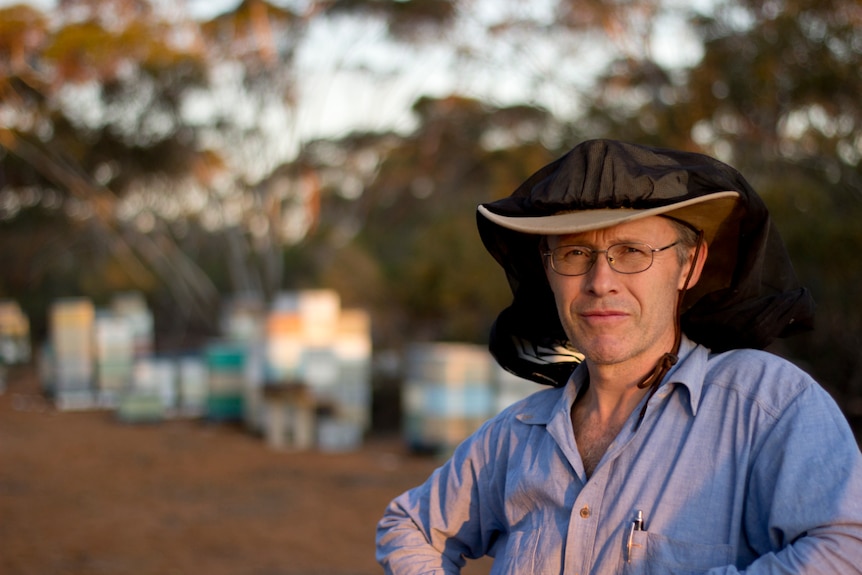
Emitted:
pixel 627 249
pixel 569 253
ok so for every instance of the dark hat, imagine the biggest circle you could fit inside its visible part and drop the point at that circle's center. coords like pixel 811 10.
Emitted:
pixel 748 293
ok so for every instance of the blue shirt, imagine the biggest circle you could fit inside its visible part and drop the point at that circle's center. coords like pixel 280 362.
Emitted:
pixel 741 463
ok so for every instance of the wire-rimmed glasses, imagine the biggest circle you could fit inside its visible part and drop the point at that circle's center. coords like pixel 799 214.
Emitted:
pixel 624 258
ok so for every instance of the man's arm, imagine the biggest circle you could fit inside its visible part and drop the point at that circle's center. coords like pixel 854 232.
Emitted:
pixel 435 526
pixel 804 508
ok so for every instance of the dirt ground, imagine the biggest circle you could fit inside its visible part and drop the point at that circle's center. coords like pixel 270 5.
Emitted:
pixel 82 493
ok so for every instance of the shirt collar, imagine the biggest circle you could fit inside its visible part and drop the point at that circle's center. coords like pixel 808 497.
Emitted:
pixel 688 372
pixel 547 403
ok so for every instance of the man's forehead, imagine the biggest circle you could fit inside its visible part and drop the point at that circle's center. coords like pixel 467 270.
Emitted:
pixel 644 230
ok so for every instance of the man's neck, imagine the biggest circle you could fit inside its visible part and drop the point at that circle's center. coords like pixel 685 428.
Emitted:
pixel 599 414
pixel 611 395
pixel 613 390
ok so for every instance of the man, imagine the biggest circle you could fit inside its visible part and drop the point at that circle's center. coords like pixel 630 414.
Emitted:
pixel 672 448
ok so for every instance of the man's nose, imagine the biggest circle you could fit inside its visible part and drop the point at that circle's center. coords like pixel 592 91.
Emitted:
pixel 601 277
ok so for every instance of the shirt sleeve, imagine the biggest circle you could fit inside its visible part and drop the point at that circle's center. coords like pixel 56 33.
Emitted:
pixel 434 527
pixel 804 506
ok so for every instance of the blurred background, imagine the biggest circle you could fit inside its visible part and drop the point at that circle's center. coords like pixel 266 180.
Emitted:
pixel 208 168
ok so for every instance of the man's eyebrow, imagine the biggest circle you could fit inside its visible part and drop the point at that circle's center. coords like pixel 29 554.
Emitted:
pixel 579 240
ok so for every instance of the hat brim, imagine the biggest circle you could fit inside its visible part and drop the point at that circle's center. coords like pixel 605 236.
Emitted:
pixel 706 212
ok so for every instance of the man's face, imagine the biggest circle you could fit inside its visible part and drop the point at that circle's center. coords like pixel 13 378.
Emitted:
pixel 613 317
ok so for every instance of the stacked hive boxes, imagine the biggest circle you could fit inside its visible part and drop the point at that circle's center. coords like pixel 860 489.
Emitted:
pixel 14 338
pixel 92 355
pixel 14 334
pixel 225 363
pixel 104 358
pixel 72 351
pixel 151 396
pixel 301 329
pixel 124 337
pixel 447 394
pixel 144 384
pixel 351 392
pixel 289 405
pixel 312 342
pixel 133 309
pixel 193 386
pixel 510 388
pixel 450 390
pixel 114 356
pixel 283 343
pixel 242 325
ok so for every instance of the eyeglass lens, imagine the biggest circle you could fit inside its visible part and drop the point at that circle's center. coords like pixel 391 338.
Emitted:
pixel 625 258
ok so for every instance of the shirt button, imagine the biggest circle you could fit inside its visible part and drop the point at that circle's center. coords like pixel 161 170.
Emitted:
pixel 585 512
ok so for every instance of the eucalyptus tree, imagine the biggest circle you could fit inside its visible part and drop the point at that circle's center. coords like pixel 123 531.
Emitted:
pixel 134 140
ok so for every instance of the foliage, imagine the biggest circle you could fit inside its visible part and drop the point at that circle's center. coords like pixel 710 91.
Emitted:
pixel 415 216
pixel 99 100
pixel 141 149
pixel 404 18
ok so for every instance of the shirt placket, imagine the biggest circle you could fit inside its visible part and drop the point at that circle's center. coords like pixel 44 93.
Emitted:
pixel 583 527
pixel 588 509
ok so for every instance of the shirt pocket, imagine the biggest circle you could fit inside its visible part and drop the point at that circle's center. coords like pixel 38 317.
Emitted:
pixel 654 554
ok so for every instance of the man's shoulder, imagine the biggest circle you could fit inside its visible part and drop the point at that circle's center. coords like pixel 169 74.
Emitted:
pixel 771 381
pixel 535 407
pixel 755 364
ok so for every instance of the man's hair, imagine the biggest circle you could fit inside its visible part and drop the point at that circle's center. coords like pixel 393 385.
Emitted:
pixel 687 236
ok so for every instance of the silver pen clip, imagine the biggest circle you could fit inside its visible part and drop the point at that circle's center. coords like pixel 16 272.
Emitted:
pixel 637 525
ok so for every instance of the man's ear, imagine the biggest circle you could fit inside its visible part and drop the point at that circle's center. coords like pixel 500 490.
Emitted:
pixel 544 246
pixel 698 266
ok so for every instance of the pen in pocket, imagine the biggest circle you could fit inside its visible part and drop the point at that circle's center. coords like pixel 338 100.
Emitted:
pixel 637 525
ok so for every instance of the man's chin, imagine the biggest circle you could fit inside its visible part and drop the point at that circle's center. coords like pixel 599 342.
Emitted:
pixel 606 353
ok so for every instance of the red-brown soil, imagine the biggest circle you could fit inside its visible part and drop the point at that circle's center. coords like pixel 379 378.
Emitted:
pixel 82 493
